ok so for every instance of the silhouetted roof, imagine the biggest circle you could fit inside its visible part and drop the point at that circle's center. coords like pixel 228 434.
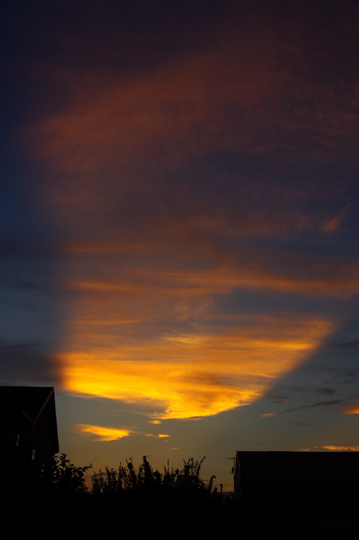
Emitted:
pixel 29 402
pixel 297 460
pixel 28 399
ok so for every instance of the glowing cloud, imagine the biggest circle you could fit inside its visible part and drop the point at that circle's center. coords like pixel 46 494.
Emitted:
pixel 184 376
pixel 341 448
pixel 159 436
pixel 351 409
pixel 103 433
pixel 121 136
pixel 156 175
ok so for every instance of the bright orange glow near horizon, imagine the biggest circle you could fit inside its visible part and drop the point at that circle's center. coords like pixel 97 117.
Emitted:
pixel 190 375
pixel 341 448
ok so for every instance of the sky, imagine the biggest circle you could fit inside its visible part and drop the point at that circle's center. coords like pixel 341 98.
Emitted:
pixel 179 250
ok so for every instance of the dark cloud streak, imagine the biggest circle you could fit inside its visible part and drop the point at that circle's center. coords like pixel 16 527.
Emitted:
pixel 332 403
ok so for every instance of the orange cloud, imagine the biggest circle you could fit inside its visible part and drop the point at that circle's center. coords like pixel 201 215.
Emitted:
pixel 155 339
pixel 189 375
pixel 137 168
pixel 159 436
pixel 317 277
pixel 103 433
pixel 341 448
pixel 123 135
pixel 351 409
pixel 335 223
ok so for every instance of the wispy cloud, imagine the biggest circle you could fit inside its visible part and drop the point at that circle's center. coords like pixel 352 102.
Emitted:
pixel 116 149
pixel 345 343
pixel 187 375
pixel 341 448
pixel 104 433
pixel 331 403
pixel 351 409
pixel 168 180
pixel 334 223
pixel 113 434
pixel 159 436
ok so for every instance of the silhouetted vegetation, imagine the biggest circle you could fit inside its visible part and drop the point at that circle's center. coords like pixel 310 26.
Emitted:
pixel 51 496
pixel 126 481
pixel 169 503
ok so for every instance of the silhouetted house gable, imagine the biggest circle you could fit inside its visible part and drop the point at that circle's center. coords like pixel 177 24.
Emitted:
pixel 28 420
pixel 321 483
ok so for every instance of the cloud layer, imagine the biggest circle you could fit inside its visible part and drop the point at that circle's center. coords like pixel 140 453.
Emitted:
pixel 199 169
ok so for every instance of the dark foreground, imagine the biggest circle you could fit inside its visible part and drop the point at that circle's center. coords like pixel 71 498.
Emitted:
pixel 50 499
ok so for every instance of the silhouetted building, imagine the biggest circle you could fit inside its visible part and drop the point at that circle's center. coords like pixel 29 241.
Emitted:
pixel 319 484
pixel 28 420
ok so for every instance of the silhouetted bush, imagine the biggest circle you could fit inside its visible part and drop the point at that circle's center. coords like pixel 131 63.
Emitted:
pixel 126 481
pixel 175 502
pixel 50 496
pixel 142 500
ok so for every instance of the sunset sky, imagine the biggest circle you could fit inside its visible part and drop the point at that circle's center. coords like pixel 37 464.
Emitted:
pixel 179 225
